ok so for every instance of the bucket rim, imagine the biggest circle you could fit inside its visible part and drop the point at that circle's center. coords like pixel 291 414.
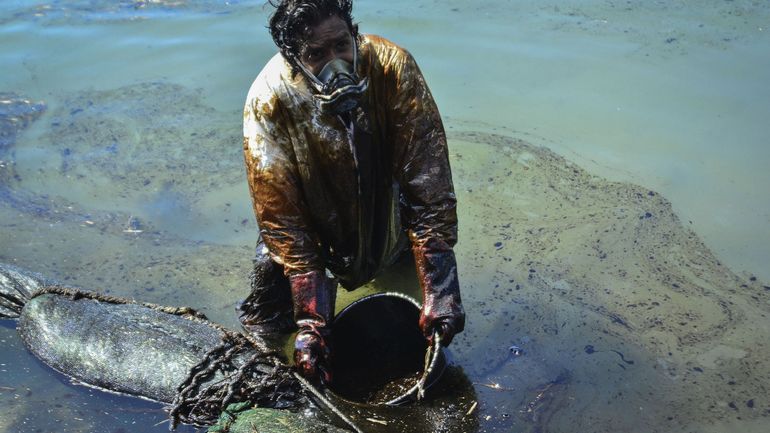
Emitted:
pixel 378 295
pixel 435 369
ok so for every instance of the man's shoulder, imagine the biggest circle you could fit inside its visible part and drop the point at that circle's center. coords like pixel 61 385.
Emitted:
pixel 270 82
pixel 384 49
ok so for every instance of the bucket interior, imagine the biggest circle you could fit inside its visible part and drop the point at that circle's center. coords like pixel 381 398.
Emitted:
pixel 379 350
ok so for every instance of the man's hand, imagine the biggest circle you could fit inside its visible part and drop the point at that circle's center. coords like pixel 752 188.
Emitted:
pixel 442 308
pixel 446 325
pixel 311 354
pixel 313 296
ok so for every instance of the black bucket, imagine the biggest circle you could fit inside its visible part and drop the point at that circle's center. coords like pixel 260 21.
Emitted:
pixel 380 353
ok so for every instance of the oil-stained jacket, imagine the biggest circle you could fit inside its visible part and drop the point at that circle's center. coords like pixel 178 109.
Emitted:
pixel 342 197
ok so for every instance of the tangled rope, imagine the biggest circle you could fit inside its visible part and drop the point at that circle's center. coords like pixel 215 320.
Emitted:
pixel 234 372
pixel 76 294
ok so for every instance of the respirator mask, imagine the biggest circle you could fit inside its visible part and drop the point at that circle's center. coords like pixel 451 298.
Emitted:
pixel 338 86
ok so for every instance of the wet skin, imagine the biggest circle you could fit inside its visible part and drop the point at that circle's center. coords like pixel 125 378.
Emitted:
pixel 328 40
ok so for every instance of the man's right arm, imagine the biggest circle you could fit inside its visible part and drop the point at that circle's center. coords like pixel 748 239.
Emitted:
pixel 423 171
pixel 283 220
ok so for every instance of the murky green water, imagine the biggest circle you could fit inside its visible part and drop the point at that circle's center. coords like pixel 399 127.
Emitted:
pixel 635 312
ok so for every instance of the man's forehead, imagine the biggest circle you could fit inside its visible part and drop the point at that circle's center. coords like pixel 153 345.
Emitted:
pixel 331 29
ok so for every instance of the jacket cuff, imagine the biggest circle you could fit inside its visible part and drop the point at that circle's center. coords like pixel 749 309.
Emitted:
pixel 437 272
pixel 313 295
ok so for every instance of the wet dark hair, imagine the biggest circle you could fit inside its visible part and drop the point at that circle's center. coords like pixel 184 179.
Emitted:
pixel 292 20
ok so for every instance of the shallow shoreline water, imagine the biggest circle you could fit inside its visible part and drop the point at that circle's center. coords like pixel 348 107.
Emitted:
pixel 639 308
pixel 671 95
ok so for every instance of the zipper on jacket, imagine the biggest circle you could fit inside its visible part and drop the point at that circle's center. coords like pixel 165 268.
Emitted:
pixel 362 246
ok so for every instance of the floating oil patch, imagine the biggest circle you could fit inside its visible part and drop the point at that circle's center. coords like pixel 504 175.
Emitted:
pixel 139 149
pixel 121 254
pixel 569 260
pixel 656 29
pixel 661 29
pixel 81 12
pixel 16 113
pixel 79 240
pixel 143 140
pixel 143 150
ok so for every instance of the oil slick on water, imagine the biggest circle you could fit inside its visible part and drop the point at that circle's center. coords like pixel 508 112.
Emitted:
pixel 132 183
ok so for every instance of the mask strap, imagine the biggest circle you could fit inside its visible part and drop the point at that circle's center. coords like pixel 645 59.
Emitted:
pixel 309 75
pixel 355 53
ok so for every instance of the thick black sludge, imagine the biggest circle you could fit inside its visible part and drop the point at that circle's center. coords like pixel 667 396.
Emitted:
pixel 202 372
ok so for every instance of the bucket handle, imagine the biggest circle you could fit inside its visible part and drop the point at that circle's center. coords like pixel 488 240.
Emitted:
pixel 430 364
pixel 329 405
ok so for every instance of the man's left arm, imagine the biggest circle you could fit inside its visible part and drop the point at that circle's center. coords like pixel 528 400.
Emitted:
pixel 424 174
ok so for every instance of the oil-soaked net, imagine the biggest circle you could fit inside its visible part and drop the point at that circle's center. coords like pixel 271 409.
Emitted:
pixel 230 373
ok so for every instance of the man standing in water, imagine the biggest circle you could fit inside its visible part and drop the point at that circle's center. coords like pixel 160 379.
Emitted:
pixel 347 165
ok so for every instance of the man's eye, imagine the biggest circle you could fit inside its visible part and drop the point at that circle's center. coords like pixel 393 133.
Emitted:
pixel 341 45
pixel 314 54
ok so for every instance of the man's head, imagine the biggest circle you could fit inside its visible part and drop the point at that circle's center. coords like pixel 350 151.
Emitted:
pixel 314 32
pixel 319 39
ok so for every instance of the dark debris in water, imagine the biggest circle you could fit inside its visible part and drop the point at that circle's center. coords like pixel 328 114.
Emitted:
pixel 147 138
pixel 653 263
pixel 445 409
pixel 590 349
pixel 546 400
pixel 16 114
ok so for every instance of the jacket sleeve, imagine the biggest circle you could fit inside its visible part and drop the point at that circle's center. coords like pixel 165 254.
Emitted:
pixel 425 178
pixel 421 157
pixel 275 188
